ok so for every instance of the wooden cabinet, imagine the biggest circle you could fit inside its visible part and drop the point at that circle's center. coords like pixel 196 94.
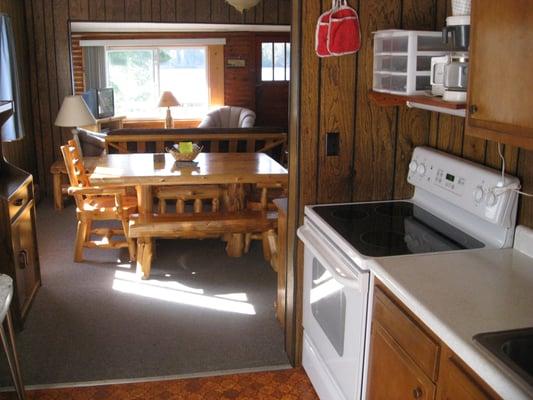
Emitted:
pixel 457 382
pixel 407 361
pixel 18 251
pixel 393 374
pixel 500 78
pixel 18 242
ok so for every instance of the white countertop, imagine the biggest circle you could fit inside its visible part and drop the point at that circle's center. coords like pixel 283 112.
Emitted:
pixel 460 294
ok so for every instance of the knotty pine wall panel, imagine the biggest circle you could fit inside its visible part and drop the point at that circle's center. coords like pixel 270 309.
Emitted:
pixel 48 52
pixel 377 146
pixel 20 152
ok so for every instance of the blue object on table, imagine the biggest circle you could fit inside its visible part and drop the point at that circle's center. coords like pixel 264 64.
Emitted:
pixel 8 342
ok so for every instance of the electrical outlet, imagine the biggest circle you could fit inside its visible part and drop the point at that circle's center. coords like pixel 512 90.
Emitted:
pixel 332 143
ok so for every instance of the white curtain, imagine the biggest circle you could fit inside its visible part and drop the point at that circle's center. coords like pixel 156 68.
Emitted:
pixel 9 82
pixel 94 63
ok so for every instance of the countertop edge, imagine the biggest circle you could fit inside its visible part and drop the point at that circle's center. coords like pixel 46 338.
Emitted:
pixel 502 383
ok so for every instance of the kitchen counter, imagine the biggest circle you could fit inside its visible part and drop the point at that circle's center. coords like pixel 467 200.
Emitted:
pixel 460 294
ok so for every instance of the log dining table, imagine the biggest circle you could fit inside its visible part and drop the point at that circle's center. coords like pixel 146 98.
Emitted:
pixel 148 170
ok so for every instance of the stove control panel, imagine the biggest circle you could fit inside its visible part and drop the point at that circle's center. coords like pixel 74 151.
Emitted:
pixel 463 183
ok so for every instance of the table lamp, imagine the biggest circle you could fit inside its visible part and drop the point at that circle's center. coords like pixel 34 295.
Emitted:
pixel 168 100
pixel 73 113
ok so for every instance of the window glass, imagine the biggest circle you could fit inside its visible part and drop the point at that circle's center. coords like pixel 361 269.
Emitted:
pixel 275 61
pixel 139 76
pixel 132 76
pixel 287 61
pixel 183 71
pixel 267 56
pixel 279 61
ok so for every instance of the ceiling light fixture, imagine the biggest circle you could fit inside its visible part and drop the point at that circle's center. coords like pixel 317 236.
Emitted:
pixel 242 5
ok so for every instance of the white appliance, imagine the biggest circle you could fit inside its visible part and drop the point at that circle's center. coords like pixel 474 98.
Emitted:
pixel 456 206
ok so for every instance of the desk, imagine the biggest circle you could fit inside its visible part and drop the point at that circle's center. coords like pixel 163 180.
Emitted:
pixel 143 171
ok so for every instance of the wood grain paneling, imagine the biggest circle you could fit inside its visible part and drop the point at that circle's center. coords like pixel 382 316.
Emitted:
pixel 49 53
pixel 375 133
pixel 383 137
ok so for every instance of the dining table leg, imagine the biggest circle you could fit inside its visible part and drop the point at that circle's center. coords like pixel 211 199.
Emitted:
pixel 144 244
pixel 234 199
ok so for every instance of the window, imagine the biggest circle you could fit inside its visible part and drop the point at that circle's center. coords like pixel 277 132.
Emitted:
pixel 139 76
pixel 275 61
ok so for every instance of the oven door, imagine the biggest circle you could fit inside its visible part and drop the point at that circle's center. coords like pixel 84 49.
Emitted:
pixel 334 318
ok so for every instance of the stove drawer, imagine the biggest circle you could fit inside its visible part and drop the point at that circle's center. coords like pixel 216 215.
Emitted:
pixel 420 346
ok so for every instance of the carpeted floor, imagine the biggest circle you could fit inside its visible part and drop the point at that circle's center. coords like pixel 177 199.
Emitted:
pixel 200 311
pixel 290 384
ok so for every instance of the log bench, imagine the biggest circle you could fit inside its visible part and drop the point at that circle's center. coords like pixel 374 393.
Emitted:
pixel 231 225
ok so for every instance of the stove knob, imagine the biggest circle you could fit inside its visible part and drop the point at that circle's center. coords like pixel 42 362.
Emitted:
pixel 491 199
pixel 478 194
pixel 413 165
pixel 421 170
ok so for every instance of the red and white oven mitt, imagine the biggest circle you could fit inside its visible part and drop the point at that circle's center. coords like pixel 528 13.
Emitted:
pixel 337 31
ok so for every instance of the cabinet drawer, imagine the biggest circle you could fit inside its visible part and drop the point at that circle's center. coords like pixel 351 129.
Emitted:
pixel 19 200
pixel 423 349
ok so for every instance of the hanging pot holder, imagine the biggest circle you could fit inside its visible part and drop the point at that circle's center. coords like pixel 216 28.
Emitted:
pixel 337 31
pixel 321 35
pixel 344 35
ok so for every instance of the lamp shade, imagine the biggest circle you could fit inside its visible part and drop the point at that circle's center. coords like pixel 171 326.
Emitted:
pixel 242 5
pixel 168 100
pixel 74 112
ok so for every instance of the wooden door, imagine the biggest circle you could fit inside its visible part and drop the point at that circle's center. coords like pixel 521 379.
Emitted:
pixel 26 259
pixel 500 78
pixel 392 374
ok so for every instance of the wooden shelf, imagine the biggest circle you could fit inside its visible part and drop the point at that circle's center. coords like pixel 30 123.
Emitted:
pixel 390 100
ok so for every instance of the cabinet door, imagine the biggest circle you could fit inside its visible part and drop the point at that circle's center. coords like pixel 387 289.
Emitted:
pixel 26 260
pixel 500 75
pixel 392 374
pixel 456 383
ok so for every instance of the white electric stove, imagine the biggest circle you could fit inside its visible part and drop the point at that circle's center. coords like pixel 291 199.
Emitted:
pixel 457 206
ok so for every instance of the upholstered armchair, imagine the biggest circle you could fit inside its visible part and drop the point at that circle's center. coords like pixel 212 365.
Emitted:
pixel 229 117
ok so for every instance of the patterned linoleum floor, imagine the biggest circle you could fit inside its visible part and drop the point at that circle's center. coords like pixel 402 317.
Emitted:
pixel 291 384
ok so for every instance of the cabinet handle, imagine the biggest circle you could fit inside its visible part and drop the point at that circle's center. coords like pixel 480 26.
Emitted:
pixel 23 259
pixel 473 109
pixel 417 393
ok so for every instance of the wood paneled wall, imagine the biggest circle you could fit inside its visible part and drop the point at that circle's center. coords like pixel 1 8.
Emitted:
pixel 48 34
pixel 21 152
pixel 377 142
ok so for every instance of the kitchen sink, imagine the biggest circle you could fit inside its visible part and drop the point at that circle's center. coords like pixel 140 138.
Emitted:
pixel 514 348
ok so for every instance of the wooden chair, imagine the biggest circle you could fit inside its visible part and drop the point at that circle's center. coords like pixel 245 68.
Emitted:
pixel 97 204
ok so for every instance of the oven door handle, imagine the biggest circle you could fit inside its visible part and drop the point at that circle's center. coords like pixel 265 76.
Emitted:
pixel 341 272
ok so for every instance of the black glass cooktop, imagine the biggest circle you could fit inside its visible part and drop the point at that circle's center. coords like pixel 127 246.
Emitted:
pixel 394 228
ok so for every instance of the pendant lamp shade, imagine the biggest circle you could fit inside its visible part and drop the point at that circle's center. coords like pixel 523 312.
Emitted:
pixel 74 112
pixel 242 5
pixel 168 100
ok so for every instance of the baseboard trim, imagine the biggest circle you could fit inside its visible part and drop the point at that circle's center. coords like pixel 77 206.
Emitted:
pixel 151 379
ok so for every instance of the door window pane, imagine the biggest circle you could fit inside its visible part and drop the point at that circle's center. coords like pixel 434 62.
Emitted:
pixel 279 61
pixel 287 61
pixel 267 56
